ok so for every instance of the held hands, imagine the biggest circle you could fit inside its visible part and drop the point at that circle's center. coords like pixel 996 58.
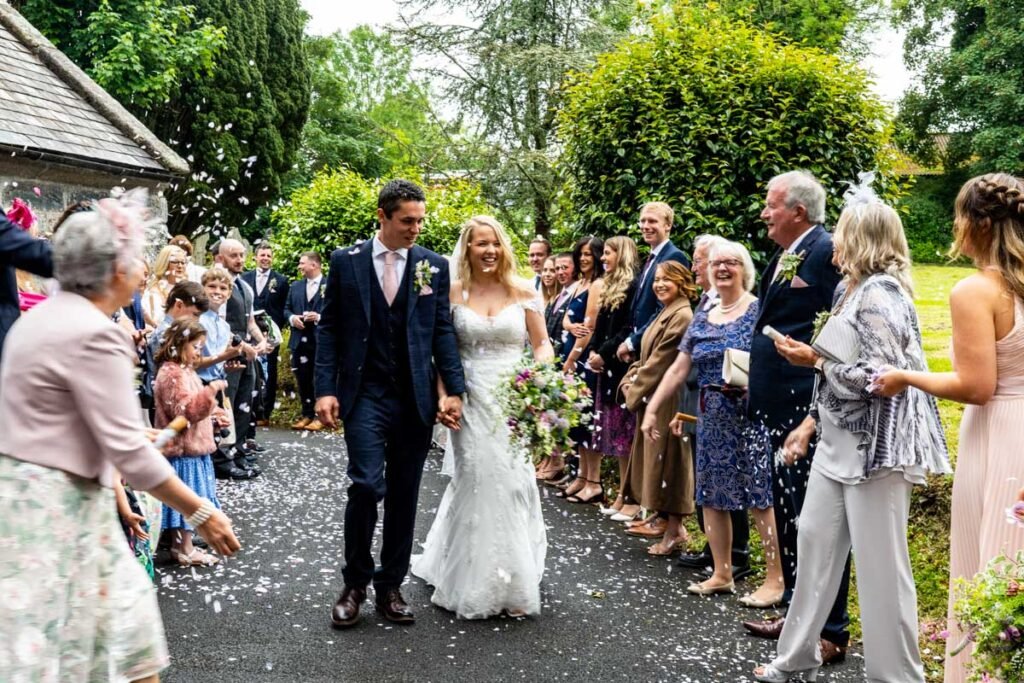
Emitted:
pixel 327 410
pixel 889 382
pixel 797 353
pixel 218 533
pixel 449 412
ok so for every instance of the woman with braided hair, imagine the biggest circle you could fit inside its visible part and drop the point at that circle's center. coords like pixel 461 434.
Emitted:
pixel 988 375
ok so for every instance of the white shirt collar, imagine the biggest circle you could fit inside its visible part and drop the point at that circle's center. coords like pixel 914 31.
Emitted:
pixel 314 280
pixel 657 250
pixel 379 248
pixel 798 240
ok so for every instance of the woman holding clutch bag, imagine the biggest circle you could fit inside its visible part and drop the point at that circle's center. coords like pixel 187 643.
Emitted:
pixel 733 469
pixel 870 452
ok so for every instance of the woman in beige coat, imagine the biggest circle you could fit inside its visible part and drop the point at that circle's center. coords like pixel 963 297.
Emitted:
pixel 660 472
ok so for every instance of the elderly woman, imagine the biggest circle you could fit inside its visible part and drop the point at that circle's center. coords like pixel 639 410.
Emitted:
pixel 733 467
pixel 77 606
pixel 870 452
pixel 660 472
pixel 168 270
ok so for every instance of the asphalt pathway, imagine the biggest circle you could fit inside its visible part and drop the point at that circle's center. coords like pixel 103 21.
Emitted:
pixel 610 612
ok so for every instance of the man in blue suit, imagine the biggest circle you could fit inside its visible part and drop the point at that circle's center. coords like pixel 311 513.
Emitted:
pixel 655 223
pixel 302 310
pixel 18 249
pixel 271 289
pixel 387 364
pixel 798 283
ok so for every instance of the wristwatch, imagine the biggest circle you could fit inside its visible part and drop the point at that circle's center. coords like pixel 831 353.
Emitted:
pixel 819 364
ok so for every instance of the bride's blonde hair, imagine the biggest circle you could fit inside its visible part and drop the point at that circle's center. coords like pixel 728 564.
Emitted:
pixel 507 265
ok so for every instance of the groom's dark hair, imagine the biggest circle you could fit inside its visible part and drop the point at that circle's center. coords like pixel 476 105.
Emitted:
pixel 397 191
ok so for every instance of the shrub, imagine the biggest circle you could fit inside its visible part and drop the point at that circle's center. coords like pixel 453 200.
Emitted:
pixel 339 208
pixel 700 110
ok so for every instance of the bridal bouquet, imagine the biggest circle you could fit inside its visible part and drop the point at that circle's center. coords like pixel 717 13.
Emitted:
pixel 542 405
pixel 990 610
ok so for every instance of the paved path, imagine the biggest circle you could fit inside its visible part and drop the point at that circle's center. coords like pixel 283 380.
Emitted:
pixel 610 612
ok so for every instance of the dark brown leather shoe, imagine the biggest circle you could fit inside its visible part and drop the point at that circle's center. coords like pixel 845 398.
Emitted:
pixel 346 610
pixel 770 629
pixel 830 652
pixel 393 607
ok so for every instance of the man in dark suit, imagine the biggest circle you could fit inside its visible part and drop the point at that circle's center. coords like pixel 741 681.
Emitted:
pixel 385 338
pixel 656 220
pixel 271 288
pixel 302 310
pixel 565 273
pixel 798 283
pixel 18 249
pixel 537 253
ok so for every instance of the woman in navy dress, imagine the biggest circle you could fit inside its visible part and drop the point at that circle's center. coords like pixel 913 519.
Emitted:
pixel 733 458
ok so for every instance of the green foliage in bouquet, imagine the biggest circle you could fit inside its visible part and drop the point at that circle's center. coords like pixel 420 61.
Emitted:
pixel 542 405
pixel 990 610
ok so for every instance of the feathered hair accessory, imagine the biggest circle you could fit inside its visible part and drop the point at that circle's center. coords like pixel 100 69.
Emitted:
pixel 21 214
pixel 134 227
pixel 860 193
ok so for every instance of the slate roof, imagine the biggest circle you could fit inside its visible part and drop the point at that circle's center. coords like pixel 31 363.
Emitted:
pixel 51 110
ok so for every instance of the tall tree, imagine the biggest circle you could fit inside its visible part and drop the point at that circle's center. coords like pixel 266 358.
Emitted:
pixel 969 59
pixel 503 70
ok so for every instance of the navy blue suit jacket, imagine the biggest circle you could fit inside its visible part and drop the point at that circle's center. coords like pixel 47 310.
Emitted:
pixel 18 249
pixel 297 304
pixel 780 393
pixel 645 305
pixel 343 336
pixel 273 297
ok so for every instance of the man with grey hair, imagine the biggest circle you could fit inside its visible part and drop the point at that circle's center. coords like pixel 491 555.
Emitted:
pixel 232 461
pixel 797 285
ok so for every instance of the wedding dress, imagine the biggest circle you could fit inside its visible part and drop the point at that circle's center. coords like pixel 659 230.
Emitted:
pixel 485 552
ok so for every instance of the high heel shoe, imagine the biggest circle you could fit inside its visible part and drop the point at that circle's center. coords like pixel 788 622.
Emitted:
pixel 769 674
pixel 596 498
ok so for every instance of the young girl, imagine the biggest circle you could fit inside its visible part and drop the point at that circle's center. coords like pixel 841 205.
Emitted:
pixel 179 391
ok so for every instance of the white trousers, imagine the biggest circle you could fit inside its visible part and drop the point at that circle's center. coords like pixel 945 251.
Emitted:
pixel 872 517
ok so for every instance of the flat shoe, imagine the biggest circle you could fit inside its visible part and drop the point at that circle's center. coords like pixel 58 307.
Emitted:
pixel 769 674
pixel 751 601
pixel 621 517
pixel 610 512
pixel 698 589
pixel 196 558
pixel 647 531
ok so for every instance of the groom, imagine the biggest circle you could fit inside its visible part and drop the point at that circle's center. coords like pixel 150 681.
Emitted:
pixel 385 334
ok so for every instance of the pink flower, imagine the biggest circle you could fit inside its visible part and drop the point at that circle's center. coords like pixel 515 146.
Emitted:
pixel 426 290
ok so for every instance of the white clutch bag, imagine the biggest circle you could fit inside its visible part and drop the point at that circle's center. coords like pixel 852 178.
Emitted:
pixel 838 341
pixel 736 368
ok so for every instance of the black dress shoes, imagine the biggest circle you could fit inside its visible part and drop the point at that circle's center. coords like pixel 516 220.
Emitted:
pixel 231 471
pixel 694 561
pixel 393 607
pixel 346 610
pixel 242 463
pixel 739 572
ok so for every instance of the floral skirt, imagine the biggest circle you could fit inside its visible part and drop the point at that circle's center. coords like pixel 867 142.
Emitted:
pixel 614 426
pixel 75 605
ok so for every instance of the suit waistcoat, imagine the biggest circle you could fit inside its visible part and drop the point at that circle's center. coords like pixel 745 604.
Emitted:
pixel 387 356
pixel 238 307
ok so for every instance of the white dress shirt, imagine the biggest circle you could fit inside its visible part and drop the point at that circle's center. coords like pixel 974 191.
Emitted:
pixel 311 287
pixel 401 259
pixel 261 279
pixel 791 249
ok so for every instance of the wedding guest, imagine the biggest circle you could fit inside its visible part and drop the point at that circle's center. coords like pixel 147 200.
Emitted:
pixel 577 327
pixel 18 249
pixel 660 472
pixel 186 299
pixel 870 453
pixel 565 275
pixel 690 405
pixel 549 287
pixel 178 391
pixel 271 295
pixel 168 270
pixel 56 476
pixel 539 251
pixel 733 470
pixel 305 303
pixel 218 348
pixel 796 286
pixel 656 220
pixel 987 311
pixel 193 271
pixel 610 307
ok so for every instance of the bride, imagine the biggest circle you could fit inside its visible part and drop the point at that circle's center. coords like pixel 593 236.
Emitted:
pixel 484 554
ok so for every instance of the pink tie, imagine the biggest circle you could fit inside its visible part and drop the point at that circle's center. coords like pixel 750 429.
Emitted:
pixel 390 278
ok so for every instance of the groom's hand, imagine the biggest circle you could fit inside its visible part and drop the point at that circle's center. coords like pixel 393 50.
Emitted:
pixel 450 414
pixel 327 410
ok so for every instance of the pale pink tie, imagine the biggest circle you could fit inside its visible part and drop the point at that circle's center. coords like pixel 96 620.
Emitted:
pixel 390 278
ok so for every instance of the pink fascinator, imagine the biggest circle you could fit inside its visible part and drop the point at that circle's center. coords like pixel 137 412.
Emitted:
pixel 21 214
pixel 129 215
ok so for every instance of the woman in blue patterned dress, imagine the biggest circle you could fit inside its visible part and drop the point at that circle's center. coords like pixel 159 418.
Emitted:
pixel 733 460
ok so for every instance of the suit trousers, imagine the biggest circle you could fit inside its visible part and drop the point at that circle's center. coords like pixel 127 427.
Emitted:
pixel 387 446
pixel 789 490
pixel 740 522
pixel 870 517
pixel 269 387
pixel 304 367
pixel 241 385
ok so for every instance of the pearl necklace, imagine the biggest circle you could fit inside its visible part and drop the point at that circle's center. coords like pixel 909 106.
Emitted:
pixel 730 307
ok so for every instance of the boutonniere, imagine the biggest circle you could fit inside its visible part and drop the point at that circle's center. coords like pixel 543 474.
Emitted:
pixel 789 263
pixel 272 285
pixel 323 289
pixel 819 324
pixel 424 275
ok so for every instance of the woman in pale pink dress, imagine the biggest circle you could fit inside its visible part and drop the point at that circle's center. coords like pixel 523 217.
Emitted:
pixel 988 374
